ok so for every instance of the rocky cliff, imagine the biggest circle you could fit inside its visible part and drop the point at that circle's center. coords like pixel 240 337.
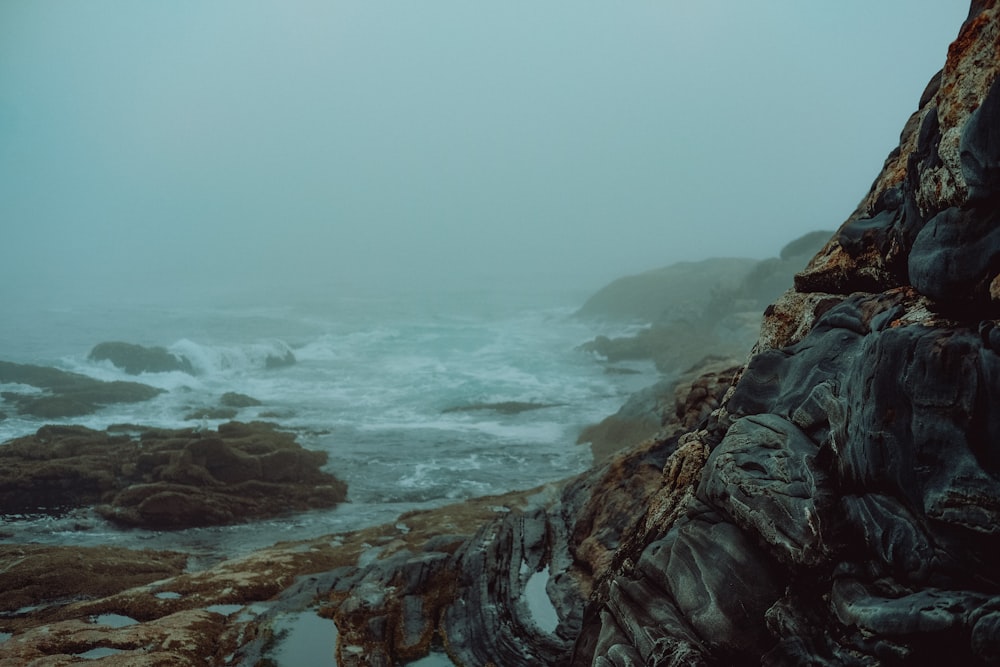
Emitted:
pixel 837 503
pixel 849 510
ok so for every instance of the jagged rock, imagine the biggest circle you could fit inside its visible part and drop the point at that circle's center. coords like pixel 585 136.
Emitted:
pixel 66 394
pixel 458 573
pixel 166 479
pixel 840 507
pixel 641 417
pixel 764 476
pixel 851 502
pixel 185 639
pixel 680 403
pixel 136 359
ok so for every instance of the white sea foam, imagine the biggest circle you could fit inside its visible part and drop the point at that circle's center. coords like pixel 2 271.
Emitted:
pixel 370 386
pixel 209 359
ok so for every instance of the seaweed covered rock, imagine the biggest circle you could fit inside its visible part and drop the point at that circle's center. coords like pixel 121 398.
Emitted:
pixel 166 478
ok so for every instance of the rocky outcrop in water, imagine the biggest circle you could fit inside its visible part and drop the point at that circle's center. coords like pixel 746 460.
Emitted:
pixel 849 511
pixel 500 580
pixel 135 359
pixel 165 478
pixel 65 394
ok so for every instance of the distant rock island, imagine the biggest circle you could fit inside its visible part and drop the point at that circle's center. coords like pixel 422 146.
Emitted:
pixel 832 498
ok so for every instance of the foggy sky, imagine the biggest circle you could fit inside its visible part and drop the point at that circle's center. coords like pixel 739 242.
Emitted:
pixel 168 148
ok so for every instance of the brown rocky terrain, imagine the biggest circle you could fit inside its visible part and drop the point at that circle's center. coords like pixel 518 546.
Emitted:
pixel 839 506
pixel 166 478
pixel 64 394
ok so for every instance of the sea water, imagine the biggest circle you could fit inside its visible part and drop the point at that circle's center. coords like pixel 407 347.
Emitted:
pixel 372 385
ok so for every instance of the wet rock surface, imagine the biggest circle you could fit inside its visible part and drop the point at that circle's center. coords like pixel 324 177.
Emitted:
pixel 468 579
pixel 65 394
pixel 663 409
pixel 849 507
pixel 839 505
pixel 166 478
pixel 135 359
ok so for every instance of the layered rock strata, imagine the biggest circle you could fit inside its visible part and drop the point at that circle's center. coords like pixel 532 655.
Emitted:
pixel 849 511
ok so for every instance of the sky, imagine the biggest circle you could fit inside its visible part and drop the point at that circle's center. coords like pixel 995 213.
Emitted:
pixel 158 150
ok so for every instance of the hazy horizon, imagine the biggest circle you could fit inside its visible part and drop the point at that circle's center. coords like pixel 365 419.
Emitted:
pixel 161 150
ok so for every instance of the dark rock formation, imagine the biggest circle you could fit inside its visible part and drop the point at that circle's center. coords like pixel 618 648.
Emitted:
pixel 663 409
pixel 849 511
pixel 166 478
pixel 135 359
pixel 469 577
pixel 66 394
pixel 840 507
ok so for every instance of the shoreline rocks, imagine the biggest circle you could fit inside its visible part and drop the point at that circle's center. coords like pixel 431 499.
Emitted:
pixel 166 479
pixel 662 409
pixel 841 505
pixel 65 394
pixel 847 512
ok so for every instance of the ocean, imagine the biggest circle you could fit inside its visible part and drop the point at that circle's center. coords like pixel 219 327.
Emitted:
pixel 375 384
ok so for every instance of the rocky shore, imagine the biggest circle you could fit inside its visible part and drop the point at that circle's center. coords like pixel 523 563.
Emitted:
pixel 165 479
pixel 834 500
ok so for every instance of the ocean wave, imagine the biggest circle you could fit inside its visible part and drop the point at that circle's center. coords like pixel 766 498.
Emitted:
pixel 213 359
